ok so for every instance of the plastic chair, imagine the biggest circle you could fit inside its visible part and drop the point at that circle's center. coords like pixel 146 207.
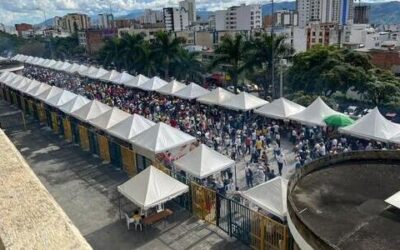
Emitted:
pixel 128 220
pixel 138 224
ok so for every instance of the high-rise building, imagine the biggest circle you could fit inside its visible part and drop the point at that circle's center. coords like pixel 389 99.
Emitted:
pixel 361 14
pixel 190 7
pixel 241 18
pixel 152 17
pixel 23 28
pixel 281 18
pixel 176 19
pixel 325 11
pixel 74 22
pixel 106 21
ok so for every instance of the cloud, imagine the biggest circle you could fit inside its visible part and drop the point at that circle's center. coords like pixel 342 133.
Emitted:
pixel 33 11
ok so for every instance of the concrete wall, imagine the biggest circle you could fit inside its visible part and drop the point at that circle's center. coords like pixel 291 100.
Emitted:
pixel 309 236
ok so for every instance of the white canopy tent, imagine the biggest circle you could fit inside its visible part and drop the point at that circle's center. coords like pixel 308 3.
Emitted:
pixel 99 73
pixel 58 65
pixel 17 78
pixel 372 126
pixel 124 77
pixel 112 76
pixel 160 138
pixel 89 72
pixel 152 187
pixel 136 81
pixel 29 59
pixel 76 103
pixel 24 83
pixel 5 74
pixel 191 91
pixel 314 114
pixel 49 93
pixel 39 89
pixel 394 200
pixel 61 98
pixel 50 63
pixel 82 69
pixel 40 61
pixel 109 118
pixel 280 108
pixel 244 102
pixel 73 68
pixel 31 85
pixel 7 79
pixel 65 66
pixel 270 196
pixel 171 88
pixel 130 127
pixel 19 83
pixel 152 84
pixel 203 162
pixel 216 97
pixel 90 110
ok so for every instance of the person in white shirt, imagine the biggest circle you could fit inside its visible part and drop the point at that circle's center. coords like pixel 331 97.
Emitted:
pixel 280 160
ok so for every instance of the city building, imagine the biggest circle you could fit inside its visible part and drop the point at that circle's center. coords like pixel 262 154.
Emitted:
pixel 123 23
pixel 361 36
pixel 190 7
pixel 152 17
pixel 24 29
pixel 176 19
pixel 148 33
pixel 322 33
pixel 384 58
pixel 2 27
pixel 281 18
pixel 57 22
pixel 239 18
pixel 106 21
pixel 93 39
pixel 74 22
pixel 325 11
pixel 361 14
pixel 295 36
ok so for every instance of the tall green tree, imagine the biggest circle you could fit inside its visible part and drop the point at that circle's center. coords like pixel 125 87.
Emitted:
pixel 265 54
pixel 111 53
pixel 130 49
pixel 146 62
pixel 323 70
pixel 231 53
pixel 187 66
pixel 166 49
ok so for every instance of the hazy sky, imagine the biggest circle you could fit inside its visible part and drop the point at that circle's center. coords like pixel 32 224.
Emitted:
pixel 34 11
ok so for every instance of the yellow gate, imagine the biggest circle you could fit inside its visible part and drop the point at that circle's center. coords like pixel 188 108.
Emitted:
pixel 128 161
pixel 161 166
pixel 30 106
pixel 267 233
pixel 14 98
pixel 41 113
pixel 8 97
pixel 84 138
pixel 67 129
pixel 204 202
pixel 103 148
pixel 54 121
pixel 23 103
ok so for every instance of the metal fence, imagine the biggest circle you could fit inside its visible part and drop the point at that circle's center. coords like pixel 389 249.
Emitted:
pixel 252 228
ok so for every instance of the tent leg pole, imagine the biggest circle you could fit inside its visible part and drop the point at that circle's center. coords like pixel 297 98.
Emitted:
pixel 236 185
pixel 119 206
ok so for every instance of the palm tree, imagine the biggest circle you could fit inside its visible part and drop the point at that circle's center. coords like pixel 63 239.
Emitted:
pixel 166 49
pixel 111 53
pixel 265 52
pixel 193 69
pixel 131 45
pixel 146 60
pixel 231 52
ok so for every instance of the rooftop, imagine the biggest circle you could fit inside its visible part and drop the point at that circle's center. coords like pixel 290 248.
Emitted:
pixel 340 204
pixel 30 217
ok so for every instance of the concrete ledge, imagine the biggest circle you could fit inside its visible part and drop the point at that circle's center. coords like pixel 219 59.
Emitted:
pixel 30 217
pixel 313 239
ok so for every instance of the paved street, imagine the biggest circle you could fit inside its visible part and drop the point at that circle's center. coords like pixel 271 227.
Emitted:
pixel 86 189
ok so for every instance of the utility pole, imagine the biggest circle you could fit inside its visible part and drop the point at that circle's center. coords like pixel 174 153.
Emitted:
pixel 272 51
pixel 281 79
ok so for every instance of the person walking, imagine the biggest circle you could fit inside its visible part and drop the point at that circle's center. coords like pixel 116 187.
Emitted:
pixel 249 176
pixel 280 160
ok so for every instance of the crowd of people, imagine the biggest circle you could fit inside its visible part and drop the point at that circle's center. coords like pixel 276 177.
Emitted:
pixel 236 134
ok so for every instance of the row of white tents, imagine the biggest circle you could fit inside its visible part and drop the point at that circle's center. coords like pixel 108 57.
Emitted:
pixel 314 115
pixel 147 138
